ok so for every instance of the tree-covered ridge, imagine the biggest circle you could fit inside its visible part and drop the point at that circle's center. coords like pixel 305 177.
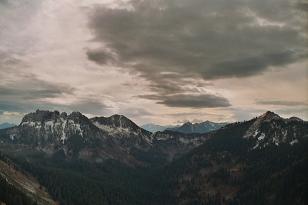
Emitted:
pixel 225 171
pixel 18 187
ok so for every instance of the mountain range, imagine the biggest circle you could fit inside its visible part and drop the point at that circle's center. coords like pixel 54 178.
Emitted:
pixel 6 125
pixel 187 127
pixel 111 160
pixel 96 139
pixel 202 127
pixel 156 128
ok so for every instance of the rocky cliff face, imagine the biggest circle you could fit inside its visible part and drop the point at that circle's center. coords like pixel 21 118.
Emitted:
pixel 44 128
pixel 117 137
pixel 124 131
pixel 271 129
pixel 98 138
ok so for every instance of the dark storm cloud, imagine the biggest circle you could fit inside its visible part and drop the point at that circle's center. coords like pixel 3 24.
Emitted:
pixel 3 2
pixel 188 100
pixel 87 106
pixel 199 37
pixel 31 93
pixel 84 105
pixel 12 106
pixel 303 6
pixel 253 65
pixel 32 88
pixel 99 56
pixel 206 39
pixel 24 106
pixel 281 102
pixel 23 95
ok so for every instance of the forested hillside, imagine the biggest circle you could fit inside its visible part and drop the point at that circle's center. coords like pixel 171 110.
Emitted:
pixel 262 161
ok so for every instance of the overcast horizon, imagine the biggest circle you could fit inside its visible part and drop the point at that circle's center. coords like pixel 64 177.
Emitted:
pixel 154 61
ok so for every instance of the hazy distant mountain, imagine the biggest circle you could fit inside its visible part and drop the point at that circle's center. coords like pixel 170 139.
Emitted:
pixel 202 127
pixel 188 127
pixel 155 128
pixel 6 125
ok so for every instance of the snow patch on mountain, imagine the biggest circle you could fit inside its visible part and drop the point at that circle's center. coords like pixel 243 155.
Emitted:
pixel 114 130
pixel 293 142
pixel 271 129
pixel 262 136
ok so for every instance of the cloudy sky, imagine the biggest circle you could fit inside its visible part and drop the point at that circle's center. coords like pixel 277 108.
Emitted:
pixel 160 61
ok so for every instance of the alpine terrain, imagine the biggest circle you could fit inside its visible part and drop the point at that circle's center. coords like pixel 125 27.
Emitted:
pixel 53 157
pixel 202 127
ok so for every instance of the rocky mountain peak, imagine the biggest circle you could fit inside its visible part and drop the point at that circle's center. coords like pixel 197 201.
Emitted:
pixel 266 117
pixel 269 115
pixel 77 117
pixel 76 114
pixel 117 122
pixel 121 121
pixel 201 127
pixel 270 128
pixel 187 124
pixel 46 115
pixel 40 116
pixel 63 115
pixel 295 119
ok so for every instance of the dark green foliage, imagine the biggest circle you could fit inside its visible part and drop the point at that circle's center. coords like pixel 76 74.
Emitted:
pixel 75 144
pixel 12 196
pixel 77 182
pixel 272 175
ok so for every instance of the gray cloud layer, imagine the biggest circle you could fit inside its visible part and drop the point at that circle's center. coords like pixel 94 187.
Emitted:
pixel 201 101
pixel 281 102
pixel 32 88
pixel 29 93
pixel 189 100
pixel 205 38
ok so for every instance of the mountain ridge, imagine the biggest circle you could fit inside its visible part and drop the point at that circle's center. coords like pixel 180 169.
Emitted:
pixel 6 125
pixel 110 160
pixel 22 185
pixel 200 127
pixel 234 166
pixel 45 128
pixel 151 127
pixel 95 139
